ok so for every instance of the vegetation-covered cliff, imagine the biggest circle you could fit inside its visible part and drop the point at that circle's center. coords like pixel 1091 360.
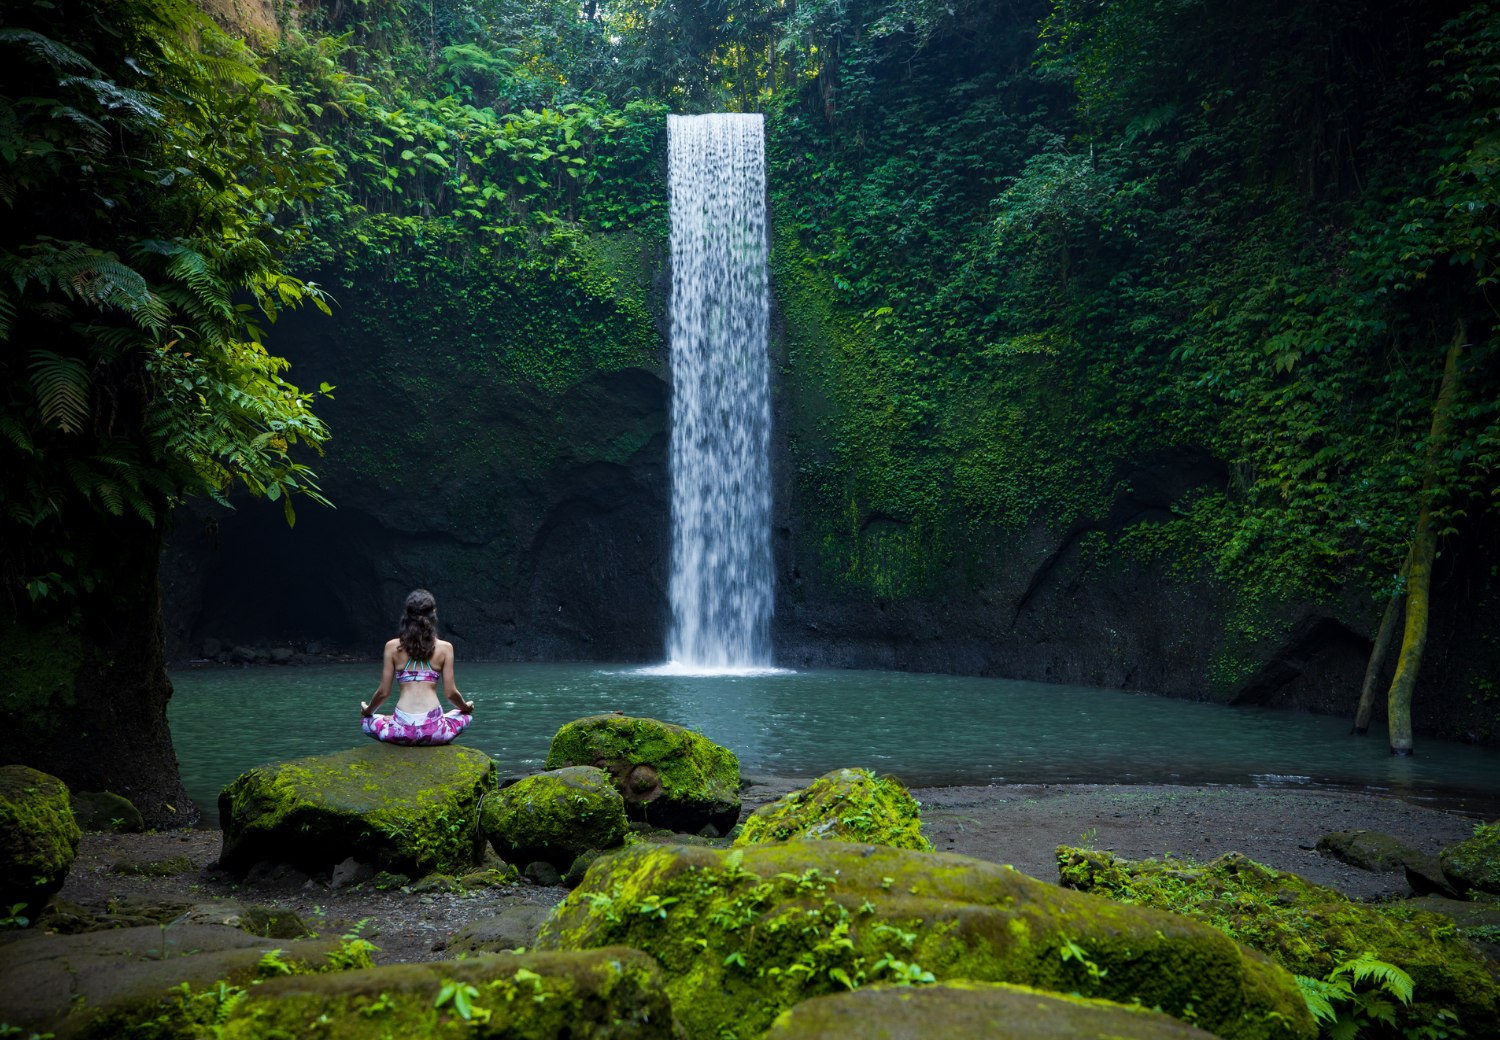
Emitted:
pixel 1147 344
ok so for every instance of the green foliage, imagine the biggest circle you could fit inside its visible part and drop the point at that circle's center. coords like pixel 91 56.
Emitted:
pixel 1355 999
pixel 149 177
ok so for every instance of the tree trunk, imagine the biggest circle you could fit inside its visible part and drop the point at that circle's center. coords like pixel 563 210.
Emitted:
pixel 1419 574
pixel 102 725
pixel 1377 653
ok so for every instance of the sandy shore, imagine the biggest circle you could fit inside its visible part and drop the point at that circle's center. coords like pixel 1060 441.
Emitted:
pixel 1016 824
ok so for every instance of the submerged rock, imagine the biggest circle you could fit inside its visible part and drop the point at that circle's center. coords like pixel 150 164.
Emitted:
pixel 609 994
pixel 400 809
pixel 38 838
pixel 669 776
pixel 1474 865
pixel 555 816
pixel 973 1011
pixel 844 805
pixel 1305 927
pixel 100 984
pixel 744 934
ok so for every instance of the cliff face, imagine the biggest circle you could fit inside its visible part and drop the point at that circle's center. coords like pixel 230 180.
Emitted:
pixel 507 449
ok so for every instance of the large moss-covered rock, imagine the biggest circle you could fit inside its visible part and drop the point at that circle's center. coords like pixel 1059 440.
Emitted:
pixel 1474 865
pixel 611 994
pixel 973 1011
pixel 407 810
pixel 844 805
pixel 1305 927
pixel 101 984
pixel 38 838
pixel 744 934
pixel 668 775
pixel 555 816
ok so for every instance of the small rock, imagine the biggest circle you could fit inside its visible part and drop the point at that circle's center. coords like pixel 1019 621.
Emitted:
pixel 1426 877
pixel 385 881
pixel 437 883
pixel 281 655
pixel 543 873
pixel 171 866
pixel 350 872
pixel 243 654
pixel 513 928
pixel 105 811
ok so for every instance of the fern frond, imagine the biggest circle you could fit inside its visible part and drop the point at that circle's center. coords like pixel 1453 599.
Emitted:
pixel 61 385
pixel 109 494
pixel 93 276
pixel 117 99
pixel 7 313
pixel 17 435
pixel 1387 976
pixel 59 56
pixel 1319 997
pixel 84 477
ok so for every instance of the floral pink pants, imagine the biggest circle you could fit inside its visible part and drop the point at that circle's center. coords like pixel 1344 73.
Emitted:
pixel 436 727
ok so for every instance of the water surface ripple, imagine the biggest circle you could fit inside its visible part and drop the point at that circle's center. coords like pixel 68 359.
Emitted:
pixel 927 729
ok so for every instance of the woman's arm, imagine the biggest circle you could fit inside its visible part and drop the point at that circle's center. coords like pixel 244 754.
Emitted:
pixel 450 686
pixel 387 674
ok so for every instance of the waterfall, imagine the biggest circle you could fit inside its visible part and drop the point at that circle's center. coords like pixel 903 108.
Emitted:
pixel 721 585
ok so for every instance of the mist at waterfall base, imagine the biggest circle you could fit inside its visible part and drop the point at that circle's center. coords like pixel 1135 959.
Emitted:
pixel 721 586
pixel 926 729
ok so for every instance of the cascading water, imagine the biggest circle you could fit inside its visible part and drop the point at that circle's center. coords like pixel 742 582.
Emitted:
pixel 721 585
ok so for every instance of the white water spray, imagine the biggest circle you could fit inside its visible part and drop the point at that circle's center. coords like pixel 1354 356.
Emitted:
pixel 721 586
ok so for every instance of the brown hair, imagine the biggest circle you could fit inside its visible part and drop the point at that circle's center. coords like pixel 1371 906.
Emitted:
pixel 419 625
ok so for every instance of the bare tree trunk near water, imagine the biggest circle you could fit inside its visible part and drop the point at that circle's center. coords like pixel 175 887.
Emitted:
pixel 1419 571
pixel 1382 646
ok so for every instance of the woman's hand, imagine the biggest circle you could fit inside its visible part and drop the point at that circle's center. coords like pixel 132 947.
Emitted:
pixel 365 710
pixel 466 707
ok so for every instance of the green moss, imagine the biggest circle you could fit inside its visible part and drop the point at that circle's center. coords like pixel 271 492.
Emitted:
pixel 555 816
pixel 1475 864
pixel 1305 927
pixel 747 933
pixel 38 838
pixel 667 774
pixel 611 994
pixel 407 810
pixel 963 1010
pixel 50 677
pixel 845 805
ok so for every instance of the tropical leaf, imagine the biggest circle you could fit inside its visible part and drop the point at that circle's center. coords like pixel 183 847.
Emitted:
pixel 61 385
pixel 58 55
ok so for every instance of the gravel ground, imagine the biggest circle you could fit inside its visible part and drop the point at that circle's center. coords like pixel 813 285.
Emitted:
pixel 1017 824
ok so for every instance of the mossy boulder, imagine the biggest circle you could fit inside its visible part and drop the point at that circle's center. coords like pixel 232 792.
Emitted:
pixel 744 934
pixel 844 805
pixel 1368 850
pixel 554 816
pixel 106 811
pixel 973 1011
pixel 668 775
pixel 1474 865
pixel 612 994
pixel 38 838
pixel 107 984
pixel 1307 928
pixel 406 810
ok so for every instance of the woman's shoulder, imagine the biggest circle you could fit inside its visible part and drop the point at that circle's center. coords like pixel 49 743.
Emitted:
pixel 441 647
pixel 391 645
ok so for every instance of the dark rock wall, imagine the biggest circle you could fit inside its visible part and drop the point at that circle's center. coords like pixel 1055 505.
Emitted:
pixel 539 516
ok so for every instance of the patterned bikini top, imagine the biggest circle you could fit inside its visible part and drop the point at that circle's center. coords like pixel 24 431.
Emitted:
pixel 417 671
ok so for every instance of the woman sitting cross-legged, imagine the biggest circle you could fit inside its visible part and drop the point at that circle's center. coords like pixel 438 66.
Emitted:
pixel 418 660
